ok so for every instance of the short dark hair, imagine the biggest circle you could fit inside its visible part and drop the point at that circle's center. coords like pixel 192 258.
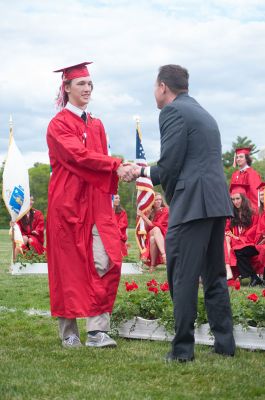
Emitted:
pixel 174 76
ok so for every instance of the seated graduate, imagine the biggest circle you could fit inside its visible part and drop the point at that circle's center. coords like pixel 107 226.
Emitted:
pixel 32 229
pixel 260 231
pixel 122 221
pixel 240 235
pixel 156 224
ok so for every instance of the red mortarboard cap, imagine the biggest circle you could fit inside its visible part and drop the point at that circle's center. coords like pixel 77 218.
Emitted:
pixel 261 186
pixel 75 71
pixel 239 188
pixel 244 150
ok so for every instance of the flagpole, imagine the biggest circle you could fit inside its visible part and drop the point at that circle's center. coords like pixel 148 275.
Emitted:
pixel 137 120
pixel 10 128
pixel 12 223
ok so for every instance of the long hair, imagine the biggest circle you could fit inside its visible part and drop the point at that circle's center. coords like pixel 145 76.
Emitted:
pixel 118 209
pixel 243 215
pixel 163 204
pixel 25 221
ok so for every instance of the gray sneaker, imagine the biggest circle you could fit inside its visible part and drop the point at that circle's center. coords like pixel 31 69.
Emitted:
pixel 72 341
pixel 101 339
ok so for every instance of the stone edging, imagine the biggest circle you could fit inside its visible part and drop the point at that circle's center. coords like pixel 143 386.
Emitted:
pixel 140 328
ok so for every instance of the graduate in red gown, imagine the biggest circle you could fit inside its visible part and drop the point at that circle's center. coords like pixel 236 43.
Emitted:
pixel 122 221
pixel 32 229
pixel 246 174
pixel 83 241
pixel 260 232
pixel 156 224
pixel 240 235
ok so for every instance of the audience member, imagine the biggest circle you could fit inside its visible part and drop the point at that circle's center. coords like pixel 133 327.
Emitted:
pixel 32 229
pixel 246 174
pixel 122 221
pixel 156 224
pixel 240 234
pixel 260 232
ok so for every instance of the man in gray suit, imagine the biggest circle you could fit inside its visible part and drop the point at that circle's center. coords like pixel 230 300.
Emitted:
pixel 191 173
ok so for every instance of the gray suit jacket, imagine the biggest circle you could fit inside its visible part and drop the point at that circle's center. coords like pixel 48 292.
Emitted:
pixel 190 167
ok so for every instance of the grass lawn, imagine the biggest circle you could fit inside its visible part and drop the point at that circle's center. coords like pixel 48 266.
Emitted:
pixel 34 366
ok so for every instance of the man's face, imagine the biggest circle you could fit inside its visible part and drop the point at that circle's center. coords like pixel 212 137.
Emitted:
pixel 241 160
pixel 159 93
pixel 79 91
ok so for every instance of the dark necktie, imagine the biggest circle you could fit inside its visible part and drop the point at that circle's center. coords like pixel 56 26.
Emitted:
pixel 83 116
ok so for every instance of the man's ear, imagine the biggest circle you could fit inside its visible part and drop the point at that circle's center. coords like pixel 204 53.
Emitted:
pixel 163 87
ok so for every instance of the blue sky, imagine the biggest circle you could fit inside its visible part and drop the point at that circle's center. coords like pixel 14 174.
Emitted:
pixel 220 42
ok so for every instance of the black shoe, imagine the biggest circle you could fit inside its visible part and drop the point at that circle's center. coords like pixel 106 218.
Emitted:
pixel 256 281
pixel 172 358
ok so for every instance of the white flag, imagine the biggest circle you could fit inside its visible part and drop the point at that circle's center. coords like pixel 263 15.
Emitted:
pixel 16 194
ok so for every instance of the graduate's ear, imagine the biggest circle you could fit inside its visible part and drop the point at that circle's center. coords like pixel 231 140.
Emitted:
pixel 67 88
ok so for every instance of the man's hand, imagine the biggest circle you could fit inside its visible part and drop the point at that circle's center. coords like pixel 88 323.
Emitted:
pixel 128 172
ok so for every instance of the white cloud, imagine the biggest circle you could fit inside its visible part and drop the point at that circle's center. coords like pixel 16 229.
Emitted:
pixel 221 43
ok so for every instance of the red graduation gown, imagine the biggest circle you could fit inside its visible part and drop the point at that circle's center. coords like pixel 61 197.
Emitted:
pixel 161 221
pixel 248 177
pixel 122 222
pixel 37 238
pixel 79 196
pixel 259 236
pixel 246 238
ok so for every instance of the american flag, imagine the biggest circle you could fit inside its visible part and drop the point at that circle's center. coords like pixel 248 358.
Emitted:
pixel 145 191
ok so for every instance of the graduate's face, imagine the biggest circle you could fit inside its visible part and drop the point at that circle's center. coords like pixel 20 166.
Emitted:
pixel 31 201
pixel 158 202
pixel 241 160
pixel 261 196
pixel 236 200
pixel 116 200
pixel 79 91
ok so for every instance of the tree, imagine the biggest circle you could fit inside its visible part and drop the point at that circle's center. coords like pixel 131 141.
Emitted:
pixel 228 156
pixel 39 176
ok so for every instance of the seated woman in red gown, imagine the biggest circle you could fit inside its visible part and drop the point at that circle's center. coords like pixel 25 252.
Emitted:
pixel 260 232
pixel 32 229
pixel 240 235
pixel 156 224
pixel 122 222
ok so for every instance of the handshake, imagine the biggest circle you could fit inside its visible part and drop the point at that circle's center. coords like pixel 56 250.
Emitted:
pixel 128 172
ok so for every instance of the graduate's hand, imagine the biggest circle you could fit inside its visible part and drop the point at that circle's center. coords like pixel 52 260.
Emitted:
pixel 136 171
pixel 125 172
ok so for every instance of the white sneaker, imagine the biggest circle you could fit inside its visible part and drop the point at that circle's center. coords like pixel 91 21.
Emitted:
pixel 101 339
pixel 72 341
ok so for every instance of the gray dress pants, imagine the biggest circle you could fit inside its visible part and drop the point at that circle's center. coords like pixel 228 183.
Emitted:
pixel 100 322
pixel 196 249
